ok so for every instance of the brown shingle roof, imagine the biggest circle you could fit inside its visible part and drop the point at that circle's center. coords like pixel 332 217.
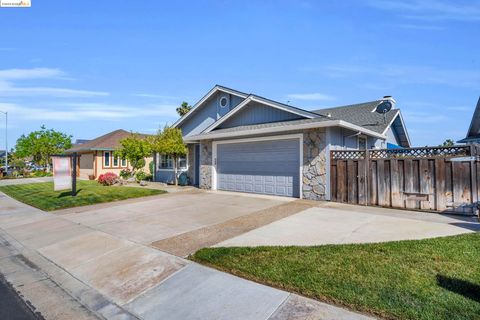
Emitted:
pixel 109 141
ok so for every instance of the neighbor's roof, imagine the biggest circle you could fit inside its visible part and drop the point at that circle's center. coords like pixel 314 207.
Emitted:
pixel 109 141
pixel 475 138
pixel 473 133
pixel 362 114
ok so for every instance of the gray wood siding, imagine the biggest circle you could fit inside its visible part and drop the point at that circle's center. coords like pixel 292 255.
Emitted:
pixel 255 113
pixel 267 167
pixel 207 115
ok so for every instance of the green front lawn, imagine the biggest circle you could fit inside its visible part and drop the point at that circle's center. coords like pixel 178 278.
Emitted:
pixel 42 196
pixel 425 279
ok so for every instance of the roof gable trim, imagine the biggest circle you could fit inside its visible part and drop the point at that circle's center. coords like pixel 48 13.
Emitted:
pixel 214 90
pixel 398 115
pixel 322 124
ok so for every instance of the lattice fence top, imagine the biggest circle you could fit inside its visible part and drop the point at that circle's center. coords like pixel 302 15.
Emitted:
pixel 348 155
pixel 427 152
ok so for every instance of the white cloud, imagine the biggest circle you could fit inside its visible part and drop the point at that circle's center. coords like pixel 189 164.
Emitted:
pixel 9 89
pixel 431 10
pixel 424 117
pixel 89 111
pixel 421 27
pixel 34 73
pixel 311 96
pixel 408 74
pixel 155 96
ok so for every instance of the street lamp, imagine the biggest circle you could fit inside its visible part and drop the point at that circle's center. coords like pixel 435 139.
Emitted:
pixel 6 140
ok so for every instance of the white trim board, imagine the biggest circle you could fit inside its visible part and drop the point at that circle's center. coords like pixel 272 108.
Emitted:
pixel 286 128
pixel 253 98
pixel 282 137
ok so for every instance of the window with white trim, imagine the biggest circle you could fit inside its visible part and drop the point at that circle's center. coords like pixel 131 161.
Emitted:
pixel 106 159
pixel 166 162
pixel 115 161
pixel 124 163
pixel 182 162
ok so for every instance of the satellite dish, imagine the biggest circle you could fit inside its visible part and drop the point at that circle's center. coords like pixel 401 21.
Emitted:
pixel 384 107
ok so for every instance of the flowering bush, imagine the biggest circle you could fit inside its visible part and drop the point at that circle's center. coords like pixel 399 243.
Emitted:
pixel 107 179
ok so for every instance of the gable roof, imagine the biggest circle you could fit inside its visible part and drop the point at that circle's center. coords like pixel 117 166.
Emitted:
pixel 473 133
pixel 210 93
pixel 265 101
pixel 364 115
pixel 109 141
pixel 358 115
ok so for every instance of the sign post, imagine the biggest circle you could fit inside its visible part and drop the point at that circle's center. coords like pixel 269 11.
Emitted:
pixel 74 175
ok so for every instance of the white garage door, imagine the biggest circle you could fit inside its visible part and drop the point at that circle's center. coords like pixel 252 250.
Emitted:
pixel 267 167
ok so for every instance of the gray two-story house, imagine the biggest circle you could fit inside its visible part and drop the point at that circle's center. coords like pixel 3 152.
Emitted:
pixel 246 143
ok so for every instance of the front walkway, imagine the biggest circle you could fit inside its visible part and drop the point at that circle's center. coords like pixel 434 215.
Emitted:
pixel 9 182
pixel 335 223
pixel 101 259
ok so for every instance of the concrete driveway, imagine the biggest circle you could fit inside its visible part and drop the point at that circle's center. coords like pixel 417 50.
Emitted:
pixel 335 223
pixel 100 256
pixel 149 220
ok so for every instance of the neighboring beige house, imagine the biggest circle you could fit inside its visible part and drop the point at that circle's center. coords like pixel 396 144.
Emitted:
pixel 96 156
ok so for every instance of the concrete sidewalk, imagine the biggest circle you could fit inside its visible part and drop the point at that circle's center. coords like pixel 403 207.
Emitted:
pixel 112 277
pixel 9 182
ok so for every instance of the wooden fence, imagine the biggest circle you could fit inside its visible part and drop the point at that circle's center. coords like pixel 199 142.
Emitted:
pixel 441 179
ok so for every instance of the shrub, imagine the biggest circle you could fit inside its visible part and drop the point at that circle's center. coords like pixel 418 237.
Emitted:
pixel 151 167
pixel 41 174
pixel 108 179
pixel 126 173
pixel 141 175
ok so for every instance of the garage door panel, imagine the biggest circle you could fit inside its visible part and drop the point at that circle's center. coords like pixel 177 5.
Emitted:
pixel 270 167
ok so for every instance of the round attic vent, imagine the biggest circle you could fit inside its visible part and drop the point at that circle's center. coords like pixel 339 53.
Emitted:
pixel 223 102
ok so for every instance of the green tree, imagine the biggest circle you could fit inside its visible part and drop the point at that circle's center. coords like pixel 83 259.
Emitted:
pixel 169 142
pixel 447 143
pixel 135 149
pixel 184 108
pixel 40 144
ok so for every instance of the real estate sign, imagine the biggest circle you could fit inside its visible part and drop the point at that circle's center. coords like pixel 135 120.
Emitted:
pixel 62 173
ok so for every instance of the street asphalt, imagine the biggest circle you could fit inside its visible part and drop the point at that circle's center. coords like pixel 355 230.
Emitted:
pixel 12 307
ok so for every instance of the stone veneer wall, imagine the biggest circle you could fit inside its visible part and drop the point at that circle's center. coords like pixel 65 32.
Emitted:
pixel 191 162
pixel 314 164
pixel 206 164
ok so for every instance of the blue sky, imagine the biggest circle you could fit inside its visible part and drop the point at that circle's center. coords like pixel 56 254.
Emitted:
pixel 89 67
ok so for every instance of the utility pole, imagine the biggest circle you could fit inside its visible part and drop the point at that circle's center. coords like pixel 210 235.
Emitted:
pixel 6 140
